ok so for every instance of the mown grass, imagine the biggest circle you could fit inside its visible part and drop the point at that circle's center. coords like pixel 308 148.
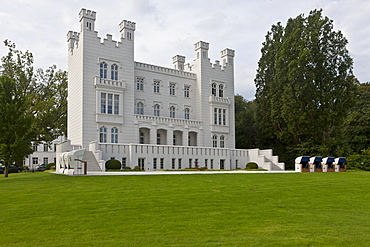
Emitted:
pixel 311 209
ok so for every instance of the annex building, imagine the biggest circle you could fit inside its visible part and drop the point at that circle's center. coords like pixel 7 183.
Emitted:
pixel 147 115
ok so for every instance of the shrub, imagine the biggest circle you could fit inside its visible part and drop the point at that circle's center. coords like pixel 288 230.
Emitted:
pixel 359 161
pixel 113 164
pixel 50 166
pixel 137 168
pixel 126 168
pixel 251 165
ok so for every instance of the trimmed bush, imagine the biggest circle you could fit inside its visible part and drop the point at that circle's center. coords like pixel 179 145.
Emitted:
pixel 126 168
pixel 251 165
pixel 50 166
pixel 137 168
pixel 113 164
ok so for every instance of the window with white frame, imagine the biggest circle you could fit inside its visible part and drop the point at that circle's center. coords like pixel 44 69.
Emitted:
pixel 215 116
pixel 35 160
pixel 46 147
pixel 46 160
pixel 156 86
pixel 179 163
pixel 116 104
pixel 214 89
pixel 220 90
pixel 214 138
pixel 186 91
pixel 103 99
pixel 141 137
pixel 172 112
pixel 158 139
pixel 155 163
pixel 219 116
pixel 223 116
pixel 222 141
pixel 114 135
pixel 156 110
pixel 140 108
pixel 186 113
pixel 103 134
pixel 103 70
pixel 162 163
pixel 172 88
pixel 114 72
pixel 110 103
pixel 140 84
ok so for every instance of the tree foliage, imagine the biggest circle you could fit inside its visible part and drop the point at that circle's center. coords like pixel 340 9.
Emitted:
pixel 245 125
pixel 33 103
pixel 305 86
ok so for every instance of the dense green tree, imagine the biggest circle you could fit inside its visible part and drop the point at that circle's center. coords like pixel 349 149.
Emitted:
pixel 16 124
pixel 43 97
pixel 305 86
pixel 245 124
pixel 356 127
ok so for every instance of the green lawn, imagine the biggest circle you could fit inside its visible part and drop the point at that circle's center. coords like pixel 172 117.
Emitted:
pixel 297 209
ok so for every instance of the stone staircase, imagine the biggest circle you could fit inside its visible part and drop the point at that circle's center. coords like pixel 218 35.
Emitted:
pixel 92 164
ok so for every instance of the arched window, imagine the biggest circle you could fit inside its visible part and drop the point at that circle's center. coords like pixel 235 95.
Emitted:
pixel 187 113
pixel 114 72
pixel 214 138
pixel 221 90
pixel 172 112
pixel 103 134
pixel 213 89
pixel 114 135
pixel 222 141
pixel 140 108
pixel 103 70
pixel 156 86
pixel 156 110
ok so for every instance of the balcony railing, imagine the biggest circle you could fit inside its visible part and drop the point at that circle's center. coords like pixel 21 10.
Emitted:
pixel 166 120
pixel 216 99
pixel 107 82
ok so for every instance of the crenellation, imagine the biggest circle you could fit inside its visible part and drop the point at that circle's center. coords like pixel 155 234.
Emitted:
pixel 127 24
pixel 164 70
pixel 87 14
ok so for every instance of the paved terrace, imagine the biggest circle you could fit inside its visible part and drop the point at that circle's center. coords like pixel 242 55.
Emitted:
pixel 176 172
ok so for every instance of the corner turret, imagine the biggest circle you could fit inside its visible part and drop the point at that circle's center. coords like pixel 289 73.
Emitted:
pixel 87 20
pixel 227 56
pixel 178 62
pixel 201 48
pixel 127 29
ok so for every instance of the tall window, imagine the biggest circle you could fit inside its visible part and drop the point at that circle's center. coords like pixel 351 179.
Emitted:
pixel 215 116
pixel 46 160
pixel 123 162
pixel 46 147
pixel 162 163
pixel 187 113
pixel 186 91
pixel 141 137
pixel 221 90
pixel 103 70
pixel 213 89
pixel 222 141
pixel 34 147
pixel 158 139
pixel 116 104
pixel 214 138
pixel 114 135
pixel 173 163
pixel 140 108
pixel 110 103
pixel 103 134
pixel 114 72
pixel 155 163
pixel 35 161
pixel 172 88
pixel 140 84
pixel 156 110
pixel 179 163
pixel 219 116
pixel 103 99
pixel 172 112
pixel 156 86
pixel 223 116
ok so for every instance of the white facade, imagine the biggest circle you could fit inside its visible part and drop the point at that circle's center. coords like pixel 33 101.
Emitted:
pixel 143 114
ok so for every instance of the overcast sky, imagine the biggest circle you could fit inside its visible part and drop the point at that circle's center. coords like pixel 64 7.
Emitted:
pixel 165 28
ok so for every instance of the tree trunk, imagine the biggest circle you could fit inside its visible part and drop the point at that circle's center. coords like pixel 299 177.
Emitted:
pixel 5 171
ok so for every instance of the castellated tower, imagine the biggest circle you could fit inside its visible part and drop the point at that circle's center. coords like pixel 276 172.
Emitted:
pixel 215 95
pixel 95 74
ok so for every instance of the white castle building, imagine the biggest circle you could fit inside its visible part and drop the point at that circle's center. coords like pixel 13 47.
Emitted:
pixel 147 115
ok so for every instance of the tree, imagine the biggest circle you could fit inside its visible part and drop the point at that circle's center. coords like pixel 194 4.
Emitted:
pixel 305 86
pixel 356 127
pixel 16 125
pixel 245 126
pixel 44 102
